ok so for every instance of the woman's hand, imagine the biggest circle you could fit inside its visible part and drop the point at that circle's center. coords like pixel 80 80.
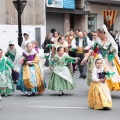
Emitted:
pixel 29 62
pixel 77 58
pixel 14 70
pixel 105 70
pixel 21 61
pixel 84 61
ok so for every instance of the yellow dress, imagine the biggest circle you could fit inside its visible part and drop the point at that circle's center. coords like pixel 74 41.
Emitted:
pixel 99 95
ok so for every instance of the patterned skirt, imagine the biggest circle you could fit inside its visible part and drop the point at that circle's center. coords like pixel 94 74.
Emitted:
pixel 6 85
pixel 89 70
pixel 99 96
pixel 20 84
pixel 58 83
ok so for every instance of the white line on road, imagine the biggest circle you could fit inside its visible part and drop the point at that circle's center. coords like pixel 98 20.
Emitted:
pixel 56 107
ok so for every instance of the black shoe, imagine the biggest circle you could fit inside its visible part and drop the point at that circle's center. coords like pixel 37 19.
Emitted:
pixel 33 93
pixel 14 82
pixel 81 76
pixel 60 93
pixel 29 94
pixel 84 76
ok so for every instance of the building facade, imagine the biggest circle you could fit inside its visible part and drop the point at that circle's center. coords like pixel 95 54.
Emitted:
pixel 64 19
pixel 33 21
pixel 33 13
pixel 95 19
pixel 87 15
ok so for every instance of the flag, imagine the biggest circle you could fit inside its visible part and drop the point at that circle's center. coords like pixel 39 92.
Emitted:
pixel 109 16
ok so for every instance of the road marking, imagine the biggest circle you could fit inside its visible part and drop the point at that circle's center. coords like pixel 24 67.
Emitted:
pixel 57 107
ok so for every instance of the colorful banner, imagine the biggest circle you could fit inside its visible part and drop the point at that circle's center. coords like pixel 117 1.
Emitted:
pixel 109 16
pixel 67 4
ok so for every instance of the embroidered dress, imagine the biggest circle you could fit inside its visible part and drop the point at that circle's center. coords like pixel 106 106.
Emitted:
pixel 61 78
pixel 110 64
pixel 99 95
pixel 6 85
pixel 31 78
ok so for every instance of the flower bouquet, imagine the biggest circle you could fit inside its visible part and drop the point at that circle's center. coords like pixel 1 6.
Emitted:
pixel 23 61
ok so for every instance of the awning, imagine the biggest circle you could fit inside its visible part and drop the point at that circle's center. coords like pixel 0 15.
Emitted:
pixel 104 2
pixel 61 10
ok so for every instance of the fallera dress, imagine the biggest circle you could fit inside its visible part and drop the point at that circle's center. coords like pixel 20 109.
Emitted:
pixel 31 78
pixel 6 85
pixel 99 95
pixel 61 78
pixel 110 62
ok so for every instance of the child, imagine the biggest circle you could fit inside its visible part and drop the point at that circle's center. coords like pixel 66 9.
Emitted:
pixel 6 85
pixel 99 95
pixel 31 79
pixel 61 78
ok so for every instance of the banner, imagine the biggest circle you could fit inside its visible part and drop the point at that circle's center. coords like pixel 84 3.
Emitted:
pixel 66 4
pixel 109 16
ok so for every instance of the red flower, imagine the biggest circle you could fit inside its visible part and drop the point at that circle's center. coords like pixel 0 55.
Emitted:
pixel 96 50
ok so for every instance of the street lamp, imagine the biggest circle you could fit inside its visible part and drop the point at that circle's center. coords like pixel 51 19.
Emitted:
pixel 19 5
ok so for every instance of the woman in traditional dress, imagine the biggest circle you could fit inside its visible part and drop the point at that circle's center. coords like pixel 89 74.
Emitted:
pixel 60 43
pixel 31 78
pixel 6 85
pixel 69 39
pixel 61 78
pixel 25 41
pixel 14 53
pixel 107 49
pixel 99 95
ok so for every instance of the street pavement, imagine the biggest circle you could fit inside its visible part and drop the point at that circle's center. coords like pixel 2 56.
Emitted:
pixel 50 106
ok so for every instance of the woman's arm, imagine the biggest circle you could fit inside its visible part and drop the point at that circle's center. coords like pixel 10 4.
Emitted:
pixel 53 51
pixel 9 63
pixel 70 58
pixel 86 57
pixel 89 53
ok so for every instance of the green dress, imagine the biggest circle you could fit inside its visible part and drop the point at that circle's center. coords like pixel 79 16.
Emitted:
pixel 61 78
pixel 107 53
pixel 98 49
pixel 6 85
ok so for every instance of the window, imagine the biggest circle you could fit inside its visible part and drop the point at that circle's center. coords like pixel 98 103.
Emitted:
pixel 92 23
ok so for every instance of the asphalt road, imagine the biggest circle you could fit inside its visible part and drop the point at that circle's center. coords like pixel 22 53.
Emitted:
pixel 50 106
